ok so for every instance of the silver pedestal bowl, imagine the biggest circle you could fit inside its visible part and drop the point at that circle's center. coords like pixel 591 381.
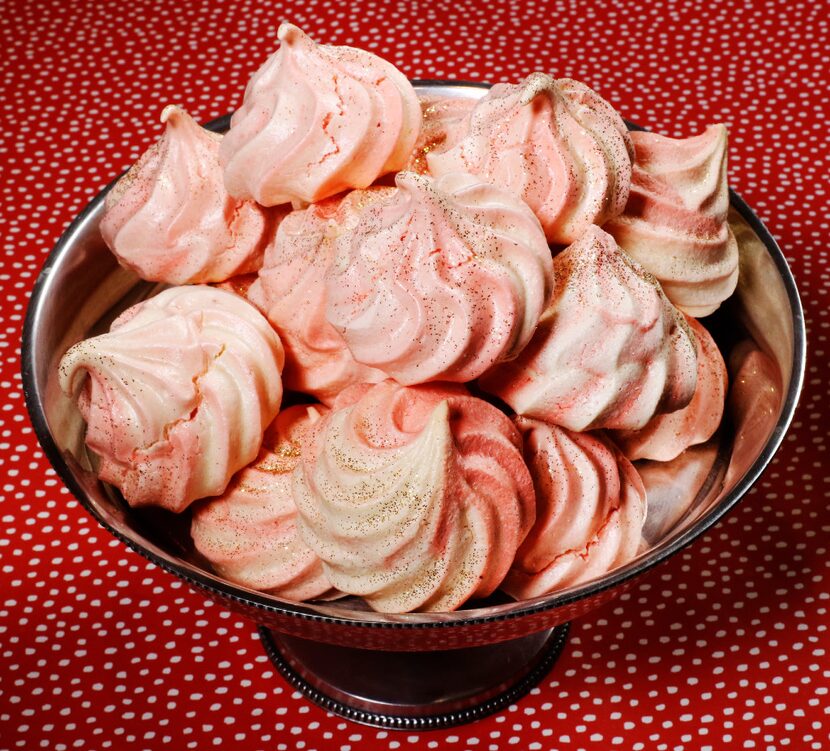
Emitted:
pixel 419 671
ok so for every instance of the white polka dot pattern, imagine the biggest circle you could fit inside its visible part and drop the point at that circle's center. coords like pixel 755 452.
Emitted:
pixel 724 646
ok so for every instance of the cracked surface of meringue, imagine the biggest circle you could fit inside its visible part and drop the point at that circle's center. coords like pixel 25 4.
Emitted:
pixel 675 222
pixel 178 394
pixel 316 120
pixel 441 280
pixel 590 510
pixel 610 352
pixel 665 436
pixel 249 533
pixel 553 142
pixel 291 291
pixel 170 218
pixel 415 498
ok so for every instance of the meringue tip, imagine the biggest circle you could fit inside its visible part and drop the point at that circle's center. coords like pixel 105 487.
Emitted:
pixel 173 112
pixel 535 85
pixel 288 33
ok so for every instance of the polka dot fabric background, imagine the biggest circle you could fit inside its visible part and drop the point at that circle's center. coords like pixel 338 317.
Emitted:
pixel 725 646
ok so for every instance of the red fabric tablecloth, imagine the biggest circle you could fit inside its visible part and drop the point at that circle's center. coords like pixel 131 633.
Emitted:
pixel 724 646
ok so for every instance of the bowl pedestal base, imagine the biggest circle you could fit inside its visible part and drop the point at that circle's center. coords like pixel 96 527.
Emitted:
pixel 414 690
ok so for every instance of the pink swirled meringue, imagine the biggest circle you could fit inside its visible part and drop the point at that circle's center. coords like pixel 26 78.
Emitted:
pixel 555 143
pixel 178 394
pixel 442 118
pixel 665 436
pixel 317 120
pixel 610 352
pixel 440 281
pixel 590 510
pixel 291 291
pixel 675 222
pixel 171 220
pixel 415 498
pixel 249 533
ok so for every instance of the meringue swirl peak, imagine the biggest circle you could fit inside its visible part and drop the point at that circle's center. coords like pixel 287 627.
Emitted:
pixel 170 218
pixel 316 120
pixel 675 223
pixel 441 280
pixel 554 142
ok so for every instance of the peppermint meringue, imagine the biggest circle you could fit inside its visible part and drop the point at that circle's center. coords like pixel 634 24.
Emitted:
pixel 416 498
pixel 610 352
pixel 443 120
pixel 440 281
pixel 316 120
pixel 590 510
pixel 291 291
pixel 665 436
pixel 675 222
pixel 177 395
pixel 249 533
pixel 170 219
pixel 555 143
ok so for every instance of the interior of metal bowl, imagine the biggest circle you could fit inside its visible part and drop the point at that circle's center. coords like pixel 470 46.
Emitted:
pixel 81 289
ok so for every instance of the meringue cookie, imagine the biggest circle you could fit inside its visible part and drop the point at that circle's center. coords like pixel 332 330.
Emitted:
pixel 665 436
pixel 416 498
pixel 555 143
pixel 440 281
pixel 170 219
pixel 316 120
pixel 590 510
pixel 178 394
pixel 443 122
pixel 675 222
pixel 291 291
pixel 610 352
pixel 249 533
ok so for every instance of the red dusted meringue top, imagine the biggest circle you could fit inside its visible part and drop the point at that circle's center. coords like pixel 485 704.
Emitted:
pixel 555 143
pixel 178 394
pixel 443 117
pixel 667 435
pixel 441 280
pixel 415 498
pixel 171 220
pixel 675 222
pixel 611 351
pixel 291 291
pixel 317 120
pixel 590 510
pixel 249 533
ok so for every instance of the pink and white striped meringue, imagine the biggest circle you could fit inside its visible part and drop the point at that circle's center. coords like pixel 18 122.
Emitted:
pixel 415 498
pixel 610 352
pixel 291 291
pixel 442 119
pixel 555 143
pixel 170 219
pixel 590 510
pixel 249 533
pixel 440 281
pixel 665 436
pixel 675 222
pixel 316 120
pixel 178 394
